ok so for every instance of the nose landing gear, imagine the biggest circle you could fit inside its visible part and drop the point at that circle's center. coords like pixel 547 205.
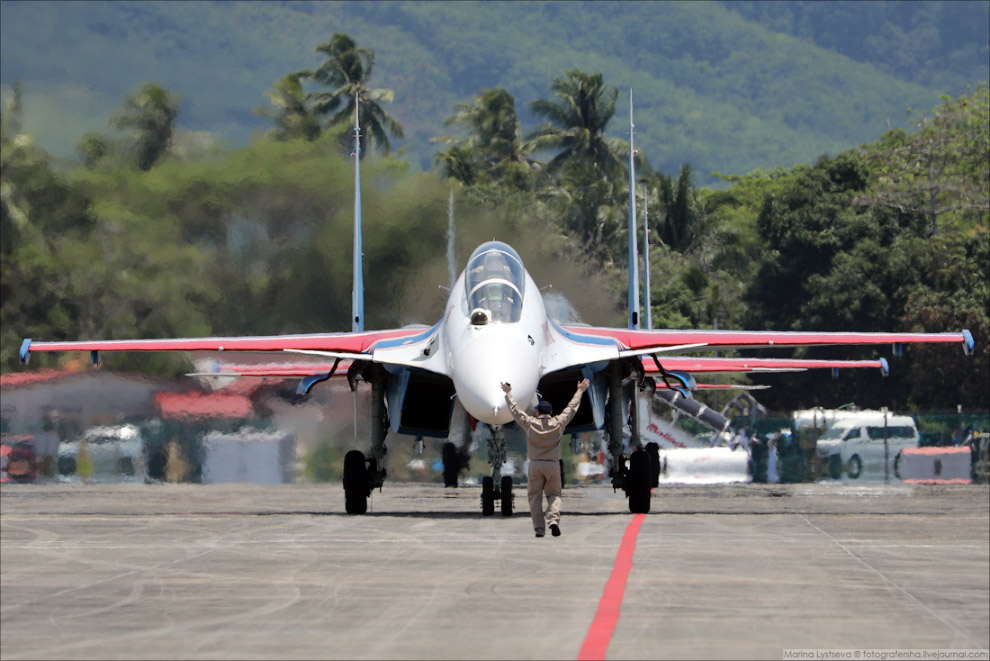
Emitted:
pixel 489 491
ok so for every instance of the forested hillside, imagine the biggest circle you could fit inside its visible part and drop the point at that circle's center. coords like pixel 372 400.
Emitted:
pixel 727 87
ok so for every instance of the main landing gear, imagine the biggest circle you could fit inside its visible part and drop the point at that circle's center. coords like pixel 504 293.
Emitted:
pixel 363 475
pixel 503 491
pixel 643 472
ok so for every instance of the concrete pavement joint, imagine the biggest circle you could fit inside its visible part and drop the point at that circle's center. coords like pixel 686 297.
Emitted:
pixel 951 625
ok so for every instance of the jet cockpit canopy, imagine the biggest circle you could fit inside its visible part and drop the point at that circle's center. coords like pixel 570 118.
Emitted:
pixel 495 282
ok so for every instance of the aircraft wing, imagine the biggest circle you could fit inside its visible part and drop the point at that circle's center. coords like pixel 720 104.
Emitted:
pixel 727 365
pixel 356 345
pixel 714 386
pixel 639 342
pixel 280 370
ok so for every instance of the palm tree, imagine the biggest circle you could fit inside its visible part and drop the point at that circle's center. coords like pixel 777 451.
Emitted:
pixel 460 162
pixel 576 123
pixel 680 215
pixel 93 148
pixel 150 113
pixel 293 117
pixel 346 72
pixel 495 140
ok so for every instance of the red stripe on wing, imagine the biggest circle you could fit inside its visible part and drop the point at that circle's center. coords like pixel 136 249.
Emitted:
pixel 344 342
pixel 644 339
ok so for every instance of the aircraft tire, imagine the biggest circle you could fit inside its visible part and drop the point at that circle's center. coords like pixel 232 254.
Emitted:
pixel 653 450
pixel 638 486
pixel 487 496
pixel 506 495
pixel 451 464
pixel 355 483
pixel 855 467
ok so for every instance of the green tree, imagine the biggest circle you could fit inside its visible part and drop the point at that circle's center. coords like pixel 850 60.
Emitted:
pixel 680 215
pixel 461 162
pixel 94 148
pixel 831 265
pixel 150 114
pixel 293 117
pixel 942 169
pixel 346 71
pixel 494 145
pixel 954 293
pixel 587 207
pixel 576 124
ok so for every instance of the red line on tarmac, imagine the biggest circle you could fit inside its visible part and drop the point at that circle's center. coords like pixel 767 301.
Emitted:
pixel 600 632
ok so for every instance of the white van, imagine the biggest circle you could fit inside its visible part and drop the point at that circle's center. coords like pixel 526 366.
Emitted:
pixel 854 444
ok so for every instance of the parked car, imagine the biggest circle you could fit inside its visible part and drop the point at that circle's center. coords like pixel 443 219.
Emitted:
pixel 114 453
pixel 18 460
pixel 854 445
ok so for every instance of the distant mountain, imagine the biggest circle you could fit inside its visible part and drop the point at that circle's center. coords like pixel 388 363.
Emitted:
pixel 725 86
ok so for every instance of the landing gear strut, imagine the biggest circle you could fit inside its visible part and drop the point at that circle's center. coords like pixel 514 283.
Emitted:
pixel 363 475
pixel 638 479
pixel 489 491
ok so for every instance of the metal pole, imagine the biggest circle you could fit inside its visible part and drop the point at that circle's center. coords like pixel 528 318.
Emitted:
pixel 886 451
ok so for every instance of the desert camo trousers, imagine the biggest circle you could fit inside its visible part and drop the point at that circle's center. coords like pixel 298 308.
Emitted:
pixel 544 476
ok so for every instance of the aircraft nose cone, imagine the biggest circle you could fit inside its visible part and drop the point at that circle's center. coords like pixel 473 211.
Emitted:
pixel 478 382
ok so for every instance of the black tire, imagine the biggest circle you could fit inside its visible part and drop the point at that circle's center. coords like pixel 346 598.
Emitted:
pixel 835 467
pixel 855 467
pixel 66 465
pixel 355 483
pixel 451 464
pixel 638 485
pixel 653 451
pixel 125 466
pixel 487 496
pixel 506 495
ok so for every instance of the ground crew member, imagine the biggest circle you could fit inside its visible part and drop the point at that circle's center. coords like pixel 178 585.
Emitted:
pixel 543 451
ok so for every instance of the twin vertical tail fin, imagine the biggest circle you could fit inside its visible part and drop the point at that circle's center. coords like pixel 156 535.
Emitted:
pixel 633 259
pixel 357 293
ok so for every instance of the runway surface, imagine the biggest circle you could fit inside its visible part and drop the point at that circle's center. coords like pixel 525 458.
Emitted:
pixel 251 572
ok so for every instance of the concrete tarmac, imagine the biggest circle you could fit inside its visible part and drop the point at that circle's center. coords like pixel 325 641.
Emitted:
pixel 248 572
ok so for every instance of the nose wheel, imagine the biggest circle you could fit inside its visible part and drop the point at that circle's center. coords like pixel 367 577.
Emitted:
pixel 503 491
pixel 506 495
pixel 490 493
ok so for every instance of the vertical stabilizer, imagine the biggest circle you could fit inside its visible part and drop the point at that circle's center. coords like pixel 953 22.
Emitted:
pixel 646 260
pixel 357 293
pixel 451 264
pixel 633 253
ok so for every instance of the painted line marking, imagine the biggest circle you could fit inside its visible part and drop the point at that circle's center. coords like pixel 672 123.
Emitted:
pixel 600 632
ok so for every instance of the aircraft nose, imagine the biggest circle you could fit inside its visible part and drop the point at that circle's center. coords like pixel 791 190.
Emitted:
pixel 479 385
